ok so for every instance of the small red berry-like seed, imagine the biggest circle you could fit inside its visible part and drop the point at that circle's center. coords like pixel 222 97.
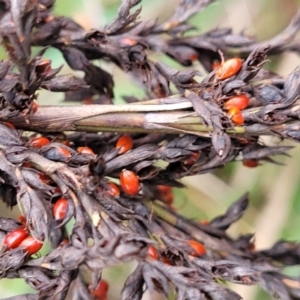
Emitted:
pixel 128 42
pixel 31 245
pixel 113 191
pixel 166 261
pixel 167 198
pixel 34 106
pixel 88 101
pixel 124 143
pixel 193 57
pixel 164 188
pixel 39 142
pixel 152 252
pixel 100 292
pixel 60 209
pixel 11 126
pixel 192 158
pixel 239 101
pixel 204 222
pixel 27 165
pixel 199 248
pixel 13 239
pixel 85 150
pixel 229 68
pixel 236 116
pixel 64 242
pixel 22 219
pixel 64 152
pixel 44 178
pixel 250 163
pixel 129 182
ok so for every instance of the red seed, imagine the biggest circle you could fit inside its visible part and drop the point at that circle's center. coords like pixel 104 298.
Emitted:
pixel 60 209
pixel 11 126
pixel 31 245
pixel 129 182
pixel 199 248
pixel 45 178
pixel 236 116
pixel 128 42
pixel 152 252
pixel 239 101
pixel 192 158
pixel 14 238
pixel 113 191
pixel 229 68
pixel 204 222
pixel 250 163
pixel 22 219
pixel 124 144
pixel 39 142
pixel 85 150
pixel 34 106
pixel 100 292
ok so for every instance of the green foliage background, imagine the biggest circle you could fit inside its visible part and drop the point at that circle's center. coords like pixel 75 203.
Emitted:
pixel 274 190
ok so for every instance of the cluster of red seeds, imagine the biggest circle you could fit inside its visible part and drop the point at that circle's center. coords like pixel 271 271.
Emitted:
pixel 237 103
pixel 197 250
pixel 20 238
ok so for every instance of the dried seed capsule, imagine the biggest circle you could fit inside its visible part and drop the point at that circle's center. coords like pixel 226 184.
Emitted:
pixel 14 238
pixel 152 252
pixel 236 116
pixel 239 101
pixel 85 150
pixel 199 248
pixel 124 144
pixel 39 142
pixel 31 245
pixel 113 191
pixel 250 163
pixel 229 68
pixel 60 209
pixel 129 182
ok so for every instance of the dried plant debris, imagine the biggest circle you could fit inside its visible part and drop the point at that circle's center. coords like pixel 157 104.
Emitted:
pixel 117 188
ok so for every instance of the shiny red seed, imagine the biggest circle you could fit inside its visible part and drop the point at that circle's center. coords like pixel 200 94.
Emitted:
pixel 34 106
pixel 198 247
pixel 85 150
pixel 22 219
pixel 192 158
pixel 229 68
pixel 13 239
pixel 239 101
pixel 236 116
pixel 152 252
pixel 113 190
pixel 128 42
pixel 250 163
pixel 11 126
pixel 60 209
pixel 31 245
pixel 124 143
pixel 100 292
pixel 129 182
pixel 45 178
pixel 39 142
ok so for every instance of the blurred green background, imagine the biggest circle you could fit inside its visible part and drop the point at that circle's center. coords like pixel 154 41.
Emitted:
pixel 274 190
